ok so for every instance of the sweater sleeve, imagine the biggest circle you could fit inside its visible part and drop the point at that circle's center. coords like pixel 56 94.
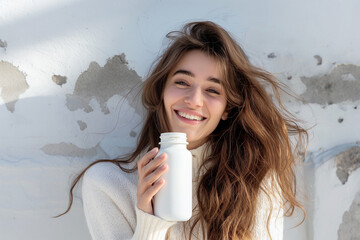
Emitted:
pixel 272 210
pixel 109 199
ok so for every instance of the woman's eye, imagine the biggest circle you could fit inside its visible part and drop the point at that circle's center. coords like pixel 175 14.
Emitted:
pixel 213 91
pixel 180 82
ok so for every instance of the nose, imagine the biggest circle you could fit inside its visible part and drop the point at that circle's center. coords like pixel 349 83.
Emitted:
pixel 194 98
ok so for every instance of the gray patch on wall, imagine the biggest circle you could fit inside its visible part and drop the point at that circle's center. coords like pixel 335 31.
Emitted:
pixel 341 84
pixel 132 134
pixel 70 150
pixel 82 125
pixel 271 55
pixel 101 83
pixel 349 228
pixel 3 44
pixel 12 83
pixel 319 59
pixel 347 162
pixel 59 80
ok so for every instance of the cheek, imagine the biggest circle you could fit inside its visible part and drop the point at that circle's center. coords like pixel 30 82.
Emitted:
pixel 168 101
pixel 171 96
pixel 217 107
pixel 166 95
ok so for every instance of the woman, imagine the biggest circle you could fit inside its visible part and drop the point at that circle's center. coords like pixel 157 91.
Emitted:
pixel 244 183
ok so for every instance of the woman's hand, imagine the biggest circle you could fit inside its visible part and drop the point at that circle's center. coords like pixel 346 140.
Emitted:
pixel 150 181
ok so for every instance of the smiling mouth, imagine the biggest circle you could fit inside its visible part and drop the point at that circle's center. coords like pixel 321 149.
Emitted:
pixel 189 116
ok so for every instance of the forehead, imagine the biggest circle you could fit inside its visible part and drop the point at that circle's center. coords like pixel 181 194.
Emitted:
pixel 200 64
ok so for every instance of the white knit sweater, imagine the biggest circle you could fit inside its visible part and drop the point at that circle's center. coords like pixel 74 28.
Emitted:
pixel 109 198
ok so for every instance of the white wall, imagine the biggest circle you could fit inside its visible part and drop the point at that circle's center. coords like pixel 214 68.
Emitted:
pixel 49 131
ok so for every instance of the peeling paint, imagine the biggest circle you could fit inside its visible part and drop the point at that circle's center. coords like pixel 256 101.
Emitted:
pixel 59 80
pixel 349 228
pixel 133 134
pixel 271 55
pixel 347 162
pixel 3 44
pixel 82 125
pixel 319 59
pixel 69 150
pixel 341 84
pixel 101 83
pixel 12 83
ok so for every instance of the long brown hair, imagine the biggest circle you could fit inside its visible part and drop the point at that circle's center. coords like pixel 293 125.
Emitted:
pixel 252 145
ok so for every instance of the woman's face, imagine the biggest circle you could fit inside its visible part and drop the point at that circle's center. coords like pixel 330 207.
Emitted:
pixel 194 97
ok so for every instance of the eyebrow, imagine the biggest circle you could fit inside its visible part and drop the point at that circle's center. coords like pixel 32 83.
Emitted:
pixel 188 73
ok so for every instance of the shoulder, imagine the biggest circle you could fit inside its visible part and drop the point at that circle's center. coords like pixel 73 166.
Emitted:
pixel 107 175
pixel 102 171
pixel 109 197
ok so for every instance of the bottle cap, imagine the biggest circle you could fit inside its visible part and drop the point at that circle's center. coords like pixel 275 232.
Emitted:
pixel 173 137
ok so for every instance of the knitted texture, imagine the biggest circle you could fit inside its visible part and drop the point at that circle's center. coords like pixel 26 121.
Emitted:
pixel 109 200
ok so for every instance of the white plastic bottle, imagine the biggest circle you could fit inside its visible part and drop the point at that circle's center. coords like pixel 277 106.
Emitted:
pixel 174 200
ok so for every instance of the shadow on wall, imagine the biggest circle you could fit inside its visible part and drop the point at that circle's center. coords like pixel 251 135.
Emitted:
pixel 115 78
pixel 100 83
pixel 44 125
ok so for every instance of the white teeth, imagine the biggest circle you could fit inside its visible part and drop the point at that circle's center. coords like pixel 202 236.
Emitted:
pixel 191 117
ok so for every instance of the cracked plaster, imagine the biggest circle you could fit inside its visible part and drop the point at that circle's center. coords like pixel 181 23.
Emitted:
pixel 12 83
pixel 101 83
pixel 341 84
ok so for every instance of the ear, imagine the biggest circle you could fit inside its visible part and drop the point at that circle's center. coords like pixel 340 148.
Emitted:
pixel 224 116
